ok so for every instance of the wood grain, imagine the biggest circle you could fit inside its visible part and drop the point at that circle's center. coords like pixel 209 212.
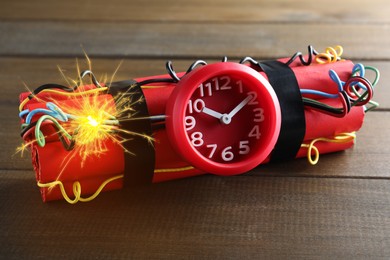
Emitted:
pixel 204 217
pixel 191 40
pixel 338 209
pixel 331 11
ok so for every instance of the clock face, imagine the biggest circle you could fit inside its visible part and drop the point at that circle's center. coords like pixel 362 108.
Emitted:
pixel 225 118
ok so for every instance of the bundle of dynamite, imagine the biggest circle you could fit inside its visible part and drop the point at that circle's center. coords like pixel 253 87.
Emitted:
pixel 223 118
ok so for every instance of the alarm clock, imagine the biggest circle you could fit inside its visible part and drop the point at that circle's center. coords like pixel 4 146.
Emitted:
pixel 223 118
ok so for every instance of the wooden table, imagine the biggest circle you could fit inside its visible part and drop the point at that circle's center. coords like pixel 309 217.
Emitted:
pixel 339 208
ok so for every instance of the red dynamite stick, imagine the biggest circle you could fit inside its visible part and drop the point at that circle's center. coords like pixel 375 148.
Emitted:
pixel 50 165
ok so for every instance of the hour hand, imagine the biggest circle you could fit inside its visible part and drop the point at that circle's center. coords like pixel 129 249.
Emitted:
pixel 212 113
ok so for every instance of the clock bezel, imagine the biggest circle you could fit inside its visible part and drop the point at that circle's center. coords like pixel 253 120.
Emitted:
pixel 176 112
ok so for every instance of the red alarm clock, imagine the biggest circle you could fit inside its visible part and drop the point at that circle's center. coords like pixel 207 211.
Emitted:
pixel 223 118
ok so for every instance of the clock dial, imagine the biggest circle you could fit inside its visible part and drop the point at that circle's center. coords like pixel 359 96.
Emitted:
pixel 223 118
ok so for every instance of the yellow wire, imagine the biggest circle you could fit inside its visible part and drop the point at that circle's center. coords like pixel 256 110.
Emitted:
pixel 341 138
pixel 77 186
pixel 68 94
pixel 77 189
pixel 23 103
pixel 72 94
pixel 330 55
pixel 174 169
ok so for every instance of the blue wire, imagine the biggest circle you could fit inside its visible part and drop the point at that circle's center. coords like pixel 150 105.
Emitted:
pixel 357 68
pixel 333 75
pixel 22 113
pixel 52 110
pixel 319 93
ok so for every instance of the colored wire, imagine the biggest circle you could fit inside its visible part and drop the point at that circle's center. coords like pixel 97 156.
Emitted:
pixel 62 93
pixel 318 93
pixel 311 52
pixel 313 150
pixel 187 168
pixel 326 109
pixel 330 55
pixel 360 70
pixel 39 135
pixel 77 189
pixel 348 93
pixel 53 110
pixel 48 87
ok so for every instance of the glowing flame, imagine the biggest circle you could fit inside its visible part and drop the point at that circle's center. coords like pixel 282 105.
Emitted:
pixel 93 118
pixel 93 122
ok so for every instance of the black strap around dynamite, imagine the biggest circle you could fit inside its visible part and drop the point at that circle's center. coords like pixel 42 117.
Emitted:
pixel 293 126
pixel 139 165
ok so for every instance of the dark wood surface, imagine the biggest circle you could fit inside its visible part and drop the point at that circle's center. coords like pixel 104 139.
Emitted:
pixel 339 208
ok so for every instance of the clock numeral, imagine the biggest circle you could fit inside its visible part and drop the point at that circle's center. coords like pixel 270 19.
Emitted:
pixel 227 155
pixel 196 106
pixel 190 122
pixel 207 87
pixel 216 83
pixel 255 132
pixel 213 148
pixel 244 147
pixel 197 139
pixel 253 100
pixel 259 115
pixel 201 91
pixel 225 85
pixel 240 87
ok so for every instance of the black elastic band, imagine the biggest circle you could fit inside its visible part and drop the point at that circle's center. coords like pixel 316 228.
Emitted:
pixel 139 166
pixel 293 127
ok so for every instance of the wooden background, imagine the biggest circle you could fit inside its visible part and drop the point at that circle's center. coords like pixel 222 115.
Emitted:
pixel 339 208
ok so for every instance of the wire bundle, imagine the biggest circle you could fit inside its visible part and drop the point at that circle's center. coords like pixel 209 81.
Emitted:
pixel 54 116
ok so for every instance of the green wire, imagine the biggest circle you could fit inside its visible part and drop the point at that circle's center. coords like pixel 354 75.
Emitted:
pixel 373 84
pixel 39 135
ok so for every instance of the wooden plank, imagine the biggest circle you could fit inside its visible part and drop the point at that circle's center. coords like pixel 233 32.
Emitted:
pixel 172 40
pixel 205 217
pixel 331 11
pixel 373 142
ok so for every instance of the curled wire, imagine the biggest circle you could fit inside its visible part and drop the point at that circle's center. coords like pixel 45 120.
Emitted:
pixel 65 88
pixel 311 52
pixel 171 71
pixel 330 55
pixel 174 78
pixel 356 91
pixel 195 64
pixel 250 60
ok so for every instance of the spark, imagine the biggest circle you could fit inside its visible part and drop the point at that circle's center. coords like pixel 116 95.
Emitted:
pixel 93 118
pixel 23 147
pixel 93 122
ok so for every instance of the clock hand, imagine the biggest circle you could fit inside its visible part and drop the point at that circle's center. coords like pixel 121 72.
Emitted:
pixel 212 113
pixel 239 107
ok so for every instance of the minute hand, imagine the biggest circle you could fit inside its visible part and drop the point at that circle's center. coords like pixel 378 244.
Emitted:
pixel 239 107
